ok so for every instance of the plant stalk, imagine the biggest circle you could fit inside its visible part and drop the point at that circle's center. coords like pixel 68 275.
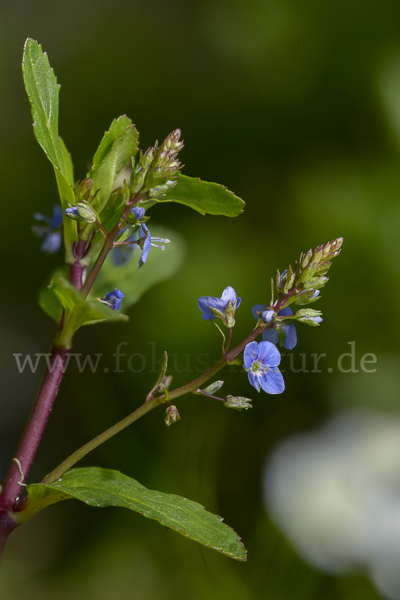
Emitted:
pixel 150 405
pixel 100 439
pixel 34 430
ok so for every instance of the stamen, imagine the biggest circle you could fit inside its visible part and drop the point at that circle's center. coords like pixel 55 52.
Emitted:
pixel 156 239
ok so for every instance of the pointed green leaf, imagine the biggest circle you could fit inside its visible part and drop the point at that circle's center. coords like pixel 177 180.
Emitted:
pixel 78 311
pixel 206 198
pixel 43 90
pixel 134 282
pixel 49 303
pixel 116 149
pixel 117 127
pixel 129 230
pixel 103 487
pixel 213 387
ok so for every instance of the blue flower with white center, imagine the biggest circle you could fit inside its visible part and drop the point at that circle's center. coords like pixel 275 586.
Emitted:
pixel 271 335
pixel 261 362
pixel 113 299
pixel 50 231
pixel 220 308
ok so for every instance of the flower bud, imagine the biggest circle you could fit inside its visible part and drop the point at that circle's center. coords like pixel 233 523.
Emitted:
pixel 82 211
pixel 172 415
pixel 82 189
pixel 237 402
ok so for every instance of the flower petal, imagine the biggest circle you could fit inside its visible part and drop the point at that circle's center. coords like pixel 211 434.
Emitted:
pixel 254 380
pixel 144 232
pixel 250 354
pixel 52 242
pixel 204 303
pixel 271 335
pixel 113 299
pixel 138 212
pixel 57 217
pixel 229 294
pixel 260 308
pixel 267 315
pixel 40 217
pixel 272 382
pixel 285 312
pixel 268 354
pixel 291 337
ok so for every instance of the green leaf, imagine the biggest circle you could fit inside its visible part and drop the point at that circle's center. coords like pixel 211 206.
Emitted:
pixel 206 198
pixel 116 149
pixel 43 90
pixel 61 297
pixel 117 127
pixel 213 387
pixel 50 304
pixel 134 282
pixel 103 487
pixel 129 230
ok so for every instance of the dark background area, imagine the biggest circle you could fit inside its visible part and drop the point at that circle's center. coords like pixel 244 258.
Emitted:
pixel 293 106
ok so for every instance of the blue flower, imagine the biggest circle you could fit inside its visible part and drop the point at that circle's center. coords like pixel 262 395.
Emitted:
pixel 271 335
pixel 113 299
pixel 122 253
pixel 72 212
pixel 261 361
pixel 138 212
pixel 206 303
pixel 146 242
pixel 51 233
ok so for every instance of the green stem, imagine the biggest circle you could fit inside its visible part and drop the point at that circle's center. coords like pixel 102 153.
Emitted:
pixel 107 247
pixel 100 439
pixel 150 405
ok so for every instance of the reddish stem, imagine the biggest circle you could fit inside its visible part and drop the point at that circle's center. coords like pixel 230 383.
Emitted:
pixel 34 429
pixel 76 269
pixel 7 525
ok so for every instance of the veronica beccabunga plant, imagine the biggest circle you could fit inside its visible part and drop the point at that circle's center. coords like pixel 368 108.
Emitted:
pixel 104 223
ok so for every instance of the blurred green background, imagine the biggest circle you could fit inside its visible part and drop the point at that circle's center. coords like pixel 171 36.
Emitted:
pixel 296 108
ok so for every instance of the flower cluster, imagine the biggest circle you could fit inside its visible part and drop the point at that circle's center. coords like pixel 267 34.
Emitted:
pixel 157 169
pixel 275 321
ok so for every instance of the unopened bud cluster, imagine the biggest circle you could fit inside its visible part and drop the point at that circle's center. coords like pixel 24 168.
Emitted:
pixel 309 274
pixel 157 168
